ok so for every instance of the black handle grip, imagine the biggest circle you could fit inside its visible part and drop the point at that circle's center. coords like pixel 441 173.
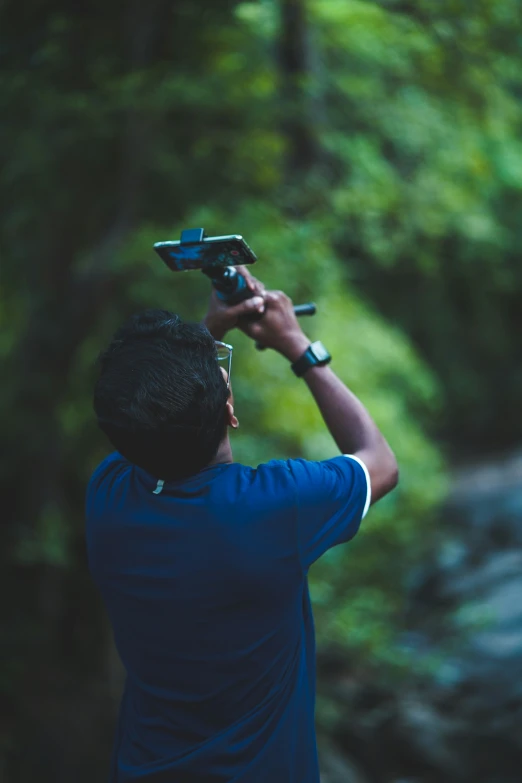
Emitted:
pixel 304 309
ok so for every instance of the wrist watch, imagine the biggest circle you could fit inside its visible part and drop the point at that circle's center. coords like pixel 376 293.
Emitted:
pixel 315 355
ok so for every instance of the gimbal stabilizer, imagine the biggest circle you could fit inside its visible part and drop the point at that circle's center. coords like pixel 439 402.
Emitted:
pixel 217 258
pixel 231 286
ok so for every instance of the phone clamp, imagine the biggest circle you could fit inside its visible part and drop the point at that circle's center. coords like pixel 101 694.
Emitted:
pixel 192 236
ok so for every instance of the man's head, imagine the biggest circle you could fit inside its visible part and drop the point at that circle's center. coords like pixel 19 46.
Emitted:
pixel 161 397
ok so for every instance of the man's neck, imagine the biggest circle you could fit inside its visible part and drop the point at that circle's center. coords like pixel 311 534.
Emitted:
pixel 223 454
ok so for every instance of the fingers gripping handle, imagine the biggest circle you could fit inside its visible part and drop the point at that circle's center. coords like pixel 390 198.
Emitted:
pixel 232 288
pixel 305 309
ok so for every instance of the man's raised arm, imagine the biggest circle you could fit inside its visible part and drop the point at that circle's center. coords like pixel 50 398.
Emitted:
pixel 348 421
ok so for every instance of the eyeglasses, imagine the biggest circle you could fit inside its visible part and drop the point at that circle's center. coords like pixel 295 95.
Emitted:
pixel 224 354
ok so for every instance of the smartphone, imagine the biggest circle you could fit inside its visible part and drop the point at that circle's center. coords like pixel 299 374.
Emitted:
pixel 210 252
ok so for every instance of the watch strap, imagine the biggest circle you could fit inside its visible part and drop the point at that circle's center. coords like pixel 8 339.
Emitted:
pixel 315 355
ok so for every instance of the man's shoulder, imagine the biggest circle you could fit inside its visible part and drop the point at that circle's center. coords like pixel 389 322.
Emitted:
pixel 111 462
pixel 114 464
pixel 277 475
pixel 303 474
pixel 293 468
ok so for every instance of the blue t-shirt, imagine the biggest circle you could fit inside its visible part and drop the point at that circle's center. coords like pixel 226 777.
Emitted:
pixel 205 584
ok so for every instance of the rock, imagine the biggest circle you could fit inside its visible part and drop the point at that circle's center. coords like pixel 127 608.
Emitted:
pixel 463 725
pixel 337 768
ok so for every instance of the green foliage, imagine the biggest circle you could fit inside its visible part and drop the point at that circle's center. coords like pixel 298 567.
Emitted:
pixel 417 108
pixel 48 544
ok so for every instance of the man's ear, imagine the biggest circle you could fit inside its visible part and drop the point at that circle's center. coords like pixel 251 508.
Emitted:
pixel 231 417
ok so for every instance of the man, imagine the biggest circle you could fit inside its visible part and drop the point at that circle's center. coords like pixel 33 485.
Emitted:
pixel 202 562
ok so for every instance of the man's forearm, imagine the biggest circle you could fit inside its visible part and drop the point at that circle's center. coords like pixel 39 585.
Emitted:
pixel 353 429
pixel 348 421
pixel 350 424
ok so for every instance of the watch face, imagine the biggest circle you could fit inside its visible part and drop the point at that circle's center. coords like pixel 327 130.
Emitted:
pixel 320 351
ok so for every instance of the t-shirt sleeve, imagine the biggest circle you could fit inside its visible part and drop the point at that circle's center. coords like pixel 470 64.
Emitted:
pixel 332 499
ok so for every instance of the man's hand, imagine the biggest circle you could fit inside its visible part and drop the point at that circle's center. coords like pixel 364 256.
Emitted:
pixel 278 328
pixel 220 317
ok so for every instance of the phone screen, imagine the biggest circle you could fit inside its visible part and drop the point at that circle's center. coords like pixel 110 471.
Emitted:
pixel 230 252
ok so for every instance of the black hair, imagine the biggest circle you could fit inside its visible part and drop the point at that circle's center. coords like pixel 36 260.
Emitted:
pixel 161 396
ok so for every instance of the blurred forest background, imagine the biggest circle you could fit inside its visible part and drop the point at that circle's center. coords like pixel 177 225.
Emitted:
pixel 371 155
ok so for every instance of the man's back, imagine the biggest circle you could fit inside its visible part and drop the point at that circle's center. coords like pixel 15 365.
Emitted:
pixel 204 577
pixel 205 585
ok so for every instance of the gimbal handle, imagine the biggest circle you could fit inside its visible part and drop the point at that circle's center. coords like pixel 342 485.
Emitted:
pixel 232 288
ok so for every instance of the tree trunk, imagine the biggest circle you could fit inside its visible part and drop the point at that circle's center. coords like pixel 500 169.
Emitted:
pixel 299 120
